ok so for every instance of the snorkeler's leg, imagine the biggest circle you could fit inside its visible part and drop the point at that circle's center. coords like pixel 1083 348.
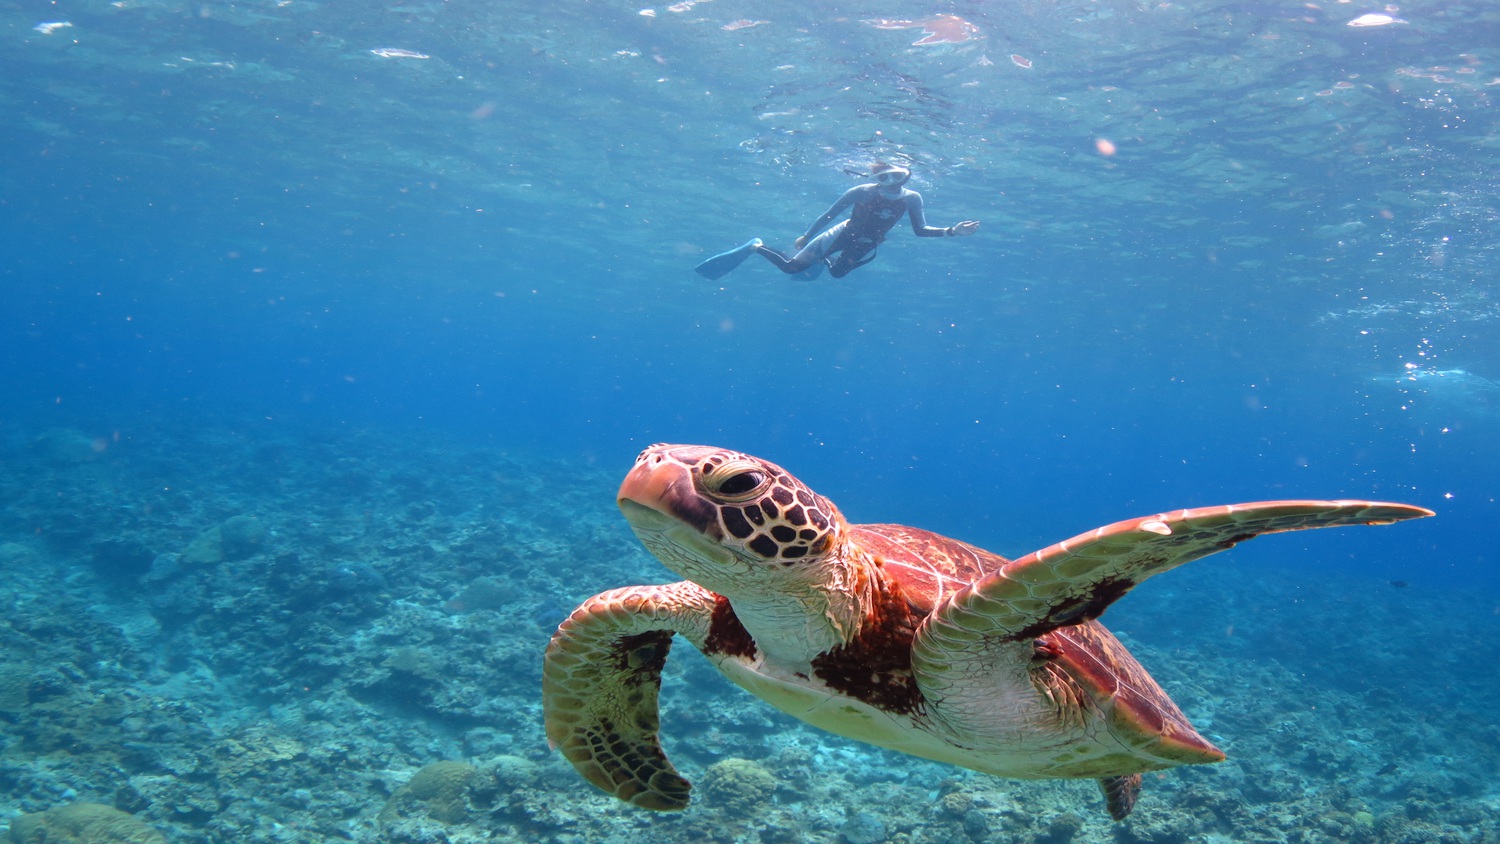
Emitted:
pixel 781 262
pixel 810 254
pixel 848 263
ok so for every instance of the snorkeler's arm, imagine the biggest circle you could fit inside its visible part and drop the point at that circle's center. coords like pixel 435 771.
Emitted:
pixel 832 213
pixel 919 220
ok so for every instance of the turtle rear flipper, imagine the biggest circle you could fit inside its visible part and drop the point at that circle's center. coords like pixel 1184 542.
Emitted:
pixel 600 683
pixel 1120 794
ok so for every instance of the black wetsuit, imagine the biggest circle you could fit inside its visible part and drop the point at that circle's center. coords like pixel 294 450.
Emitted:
pixel 855 239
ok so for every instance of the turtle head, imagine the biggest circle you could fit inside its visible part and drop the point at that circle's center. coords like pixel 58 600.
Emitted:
pixel 725 519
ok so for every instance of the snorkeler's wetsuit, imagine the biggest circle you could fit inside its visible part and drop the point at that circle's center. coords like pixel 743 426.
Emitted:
pixel 855 239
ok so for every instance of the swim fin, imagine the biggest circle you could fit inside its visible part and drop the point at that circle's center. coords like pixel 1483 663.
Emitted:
pixel 721 264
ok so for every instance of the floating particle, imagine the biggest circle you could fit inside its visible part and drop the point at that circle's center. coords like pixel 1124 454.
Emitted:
pixel 937 29
pixel 1105 146
pixel 51 26
pixel 1375 19
pixel 398 53
pixel 1020 61
pixel 741 24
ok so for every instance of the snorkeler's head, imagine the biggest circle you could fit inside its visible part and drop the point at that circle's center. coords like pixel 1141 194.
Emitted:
pixel 889 175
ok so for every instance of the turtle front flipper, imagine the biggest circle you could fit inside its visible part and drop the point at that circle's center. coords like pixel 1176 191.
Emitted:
pixel 600 682
pixel 1013 659
pixel 1077 579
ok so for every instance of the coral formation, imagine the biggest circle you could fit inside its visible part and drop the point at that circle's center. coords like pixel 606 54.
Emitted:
pixel 82 823
pixel 206 548
pixel 738 785
pixel 235 539
pixel 15 687
pixel 439 791
pixel 65 447
pixel 485 593
pixel 241 536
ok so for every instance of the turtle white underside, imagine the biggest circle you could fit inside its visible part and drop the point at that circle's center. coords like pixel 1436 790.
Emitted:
pixel 1017 721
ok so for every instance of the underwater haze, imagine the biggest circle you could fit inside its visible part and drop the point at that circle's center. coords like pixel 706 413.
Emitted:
pixel 329 329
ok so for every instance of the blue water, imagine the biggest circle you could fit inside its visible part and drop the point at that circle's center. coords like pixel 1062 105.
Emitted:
pixel 1228 252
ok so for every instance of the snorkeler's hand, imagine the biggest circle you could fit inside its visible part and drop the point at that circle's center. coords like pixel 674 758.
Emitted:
pixel 966 228
pixel 800 243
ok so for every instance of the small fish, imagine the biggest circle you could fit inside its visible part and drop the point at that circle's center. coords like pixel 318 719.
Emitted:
pixel 1388 769
pixel 1375 19
pixel 1400 584
pixel 1020 61
pixel 51 26
pixel 397 53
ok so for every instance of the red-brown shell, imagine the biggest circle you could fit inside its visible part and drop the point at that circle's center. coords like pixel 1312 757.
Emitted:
pixel 927 566
pixel 919 569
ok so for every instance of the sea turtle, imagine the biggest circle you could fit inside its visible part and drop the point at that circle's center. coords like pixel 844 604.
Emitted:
pixel 887 634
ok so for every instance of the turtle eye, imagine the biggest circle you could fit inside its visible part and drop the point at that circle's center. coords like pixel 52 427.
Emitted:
pixel 735 480
pixel 742 483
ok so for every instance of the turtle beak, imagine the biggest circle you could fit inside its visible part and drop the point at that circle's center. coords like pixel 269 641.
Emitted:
pixel 650 484
pixel 643 518
pixel 670 517
pixel 658 490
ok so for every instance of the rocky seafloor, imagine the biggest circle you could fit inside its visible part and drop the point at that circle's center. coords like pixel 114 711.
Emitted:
pixel 241 633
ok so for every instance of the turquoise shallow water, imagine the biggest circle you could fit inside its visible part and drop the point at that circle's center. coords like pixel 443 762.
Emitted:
pixel 409 287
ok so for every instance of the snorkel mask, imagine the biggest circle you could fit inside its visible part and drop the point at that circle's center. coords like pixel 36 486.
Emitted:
pixel 891 177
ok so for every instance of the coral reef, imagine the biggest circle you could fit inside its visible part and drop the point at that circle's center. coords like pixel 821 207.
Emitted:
pixel 304 636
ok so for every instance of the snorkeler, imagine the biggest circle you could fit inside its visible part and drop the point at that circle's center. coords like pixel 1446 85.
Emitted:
pixel 851 243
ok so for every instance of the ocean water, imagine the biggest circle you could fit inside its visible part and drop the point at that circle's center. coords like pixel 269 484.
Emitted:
pixel 329 329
